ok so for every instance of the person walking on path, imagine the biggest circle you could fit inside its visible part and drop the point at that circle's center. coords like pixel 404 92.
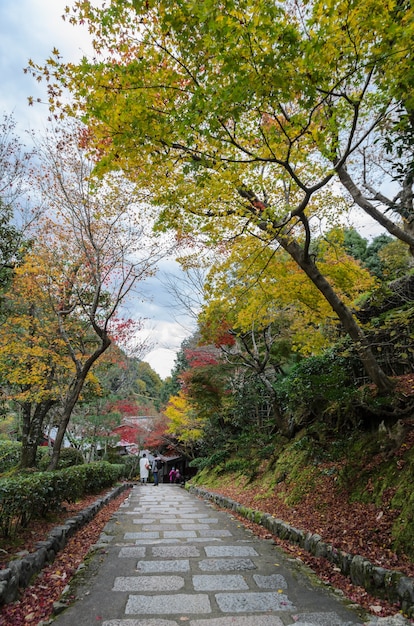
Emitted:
pixel 156 468
pixel 144 469
pixel 173 474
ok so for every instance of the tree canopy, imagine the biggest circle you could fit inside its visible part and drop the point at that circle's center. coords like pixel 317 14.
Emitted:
pixel 240 116
pixel 249 93
pixel 252 129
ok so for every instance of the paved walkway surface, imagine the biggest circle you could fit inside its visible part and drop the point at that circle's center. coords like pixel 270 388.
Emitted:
pixel 168 558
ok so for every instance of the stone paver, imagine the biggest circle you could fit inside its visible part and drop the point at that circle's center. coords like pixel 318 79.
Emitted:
pixel 168 605
pixel 218 583
pixel 168 558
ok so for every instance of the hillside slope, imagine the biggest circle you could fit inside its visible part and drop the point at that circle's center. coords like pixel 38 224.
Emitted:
pixel 356 492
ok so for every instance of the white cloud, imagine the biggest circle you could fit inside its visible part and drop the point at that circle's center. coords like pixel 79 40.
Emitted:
pixel 165 323
pixel 30 29
pixel 162 361
pixel 165 338
pixel 364 224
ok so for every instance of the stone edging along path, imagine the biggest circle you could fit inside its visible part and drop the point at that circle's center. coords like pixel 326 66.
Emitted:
pixel 380 582
pixel 19 572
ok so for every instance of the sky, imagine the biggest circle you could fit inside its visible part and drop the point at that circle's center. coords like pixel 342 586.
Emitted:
pixel 30 29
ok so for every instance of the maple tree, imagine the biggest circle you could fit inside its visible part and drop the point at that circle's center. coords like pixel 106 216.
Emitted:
pixel 204 404
pixel 33 360
pixel 247 112
pixel 157 437
pixel 109 254
pixel 256 285
pixel 91 249
pixel 262 312
pixel 184 424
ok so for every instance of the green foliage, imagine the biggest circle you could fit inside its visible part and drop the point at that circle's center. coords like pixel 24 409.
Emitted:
pixel 38 494
pixel 403 528
pixel 172 384
pixel 213 461
pixel 150 382
pixel 221 463
pixel 68 457
pixel 131 466
pixel 355 244
pixel 384 257
pixel 319 385
pixel 10 452
pixel 9 455
pixel 238 465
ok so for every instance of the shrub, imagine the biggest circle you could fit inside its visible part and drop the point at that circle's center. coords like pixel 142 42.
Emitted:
pixel 319 386
pixel 213 461
pixel 9 455
pixel 68 458
pixel 23 498
pixel 238 465
pixel 131 466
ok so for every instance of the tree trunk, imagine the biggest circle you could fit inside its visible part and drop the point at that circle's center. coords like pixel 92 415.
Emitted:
pixel 32 431
pixel 405 234
pixel 351 327
pixel 29 441
pixel 73 396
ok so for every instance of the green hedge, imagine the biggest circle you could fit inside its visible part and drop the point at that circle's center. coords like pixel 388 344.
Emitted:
pixel 10 452
pixel 9 455
pixel 27 497
pixel 131 466
pixel 67 458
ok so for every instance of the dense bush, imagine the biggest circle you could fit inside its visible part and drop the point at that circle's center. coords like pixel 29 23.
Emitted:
pixel 215 460
pixel 320 385
pixel 9 455
pixel 68 458
pixel 131 466
pixel 25 497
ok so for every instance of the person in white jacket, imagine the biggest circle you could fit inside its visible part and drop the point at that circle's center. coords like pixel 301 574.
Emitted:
pixel 144 468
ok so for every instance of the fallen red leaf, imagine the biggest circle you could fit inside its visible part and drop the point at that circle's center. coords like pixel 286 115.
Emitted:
pixel 36 602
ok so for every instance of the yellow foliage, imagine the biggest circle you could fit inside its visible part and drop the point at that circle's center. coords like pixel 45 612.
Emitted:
pixel 183 423
pixel 257 285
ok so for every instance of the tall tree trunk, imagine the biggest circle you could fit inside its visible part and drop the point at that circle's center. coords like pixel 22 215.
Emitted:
pixel 73 396
pixel 349 323
pixel 29 442
pixel 32 431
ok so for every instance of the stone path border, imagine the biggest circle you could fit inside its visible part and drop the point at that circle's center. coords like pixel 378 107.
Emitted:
pixel 378 581
pixel 19 572
pixel 167 557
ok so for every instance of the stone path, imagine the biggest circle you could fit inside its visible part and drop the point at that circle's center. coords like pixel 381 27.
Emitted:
pixel 168 558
